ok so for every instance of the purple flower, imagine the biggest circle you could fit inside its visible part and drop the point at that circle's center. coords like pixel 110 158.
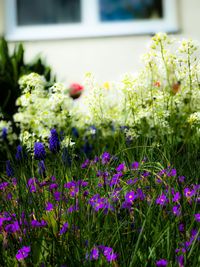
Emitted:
pixel 100 204
pixel 181 227
pixel 54 143
pixel 94 254
pixel 172 172
pixel 95 160
pixel 85 164
pixel 197 217
pixel 146 174
pixel 161 263
pixel 180 260
pixel 181 179
pixel 13 227
pixel 64 228
pixel 109 253
pixel 93 199
pixel 189 192
pixel 115 179
pixel 176 197
pixel 70 184
pixel 49 206
pixel 32 182
pixel 23 253
pixel 9 169
pixel 57 195
pixel 39 151
pixel 130 197
pixel 53 186
pixel 111 257
pixel 176 210
pixel 35 223
pixel 3 185
pixel 105 158
pixel 140 194
pixel 120 167
pixel 135 165
pixel 162 200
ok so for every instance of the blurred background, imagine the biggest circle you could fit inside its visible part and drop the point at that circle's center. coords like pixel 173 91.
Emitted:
pixel 105 37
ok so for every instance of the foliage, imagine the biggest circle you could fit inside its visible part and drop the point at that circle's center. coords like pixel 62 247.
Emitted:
pixel 12 67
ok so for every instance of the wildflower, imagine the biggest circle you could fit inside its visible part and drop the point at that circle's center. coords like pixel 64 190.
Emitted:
pixel 75 90
pixel 57 196
pixel 23 253
pixel 85 164
pixel 9 169
pixel 35 223
pixel 109 253
pixel 13 227
pixel 41 168
pixel 39 151
pixel 32 182
pixel 49 206
pixel 180 260
pixel 3 185
pixel 181 179
pixel 105 158
pixel 95 160
pixel 135 165
pixel 189 192
pixel 54 143
pixel 161 263
pixel 172 172
pixel 4 133
pixel 19 154
pixel 100 204
pixel 64 228
pixel 181 227
pixel 197 217
pixel 176 197
pixel 176 210
pixel 115 179
pixel 120 168
pixel 140 194
pixel 94 254
pixel 162 200
pixel 130 197
pixel 53 186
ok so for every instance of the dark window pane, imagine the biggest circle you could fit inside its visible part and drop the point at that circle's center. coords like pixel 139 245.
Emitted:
pixel 34 12
pixel 119 10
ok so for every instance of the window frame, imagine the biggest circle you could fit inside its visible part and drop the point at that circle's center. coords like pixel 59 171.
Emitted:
pixel 90 26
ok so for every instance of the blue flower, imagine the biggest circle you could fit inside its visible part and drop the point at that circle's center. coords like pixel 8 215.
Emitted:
pixel 41 167
pixel 4 133
pixel 54 143
pixel 9 169
pixel 39 151
pixel 19 154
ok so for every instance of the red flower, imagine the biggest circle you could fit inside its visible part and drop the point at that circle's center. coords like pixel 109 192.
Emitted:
pixel 75 90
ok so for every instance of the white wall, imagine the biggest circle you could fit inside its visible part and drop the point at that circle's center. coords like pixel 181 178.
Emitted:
pixel 107 58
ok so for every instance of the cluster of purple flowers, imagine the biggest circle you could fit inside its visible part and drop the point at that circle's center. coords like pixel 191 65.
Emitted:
pixel 115 189
pixel 107 252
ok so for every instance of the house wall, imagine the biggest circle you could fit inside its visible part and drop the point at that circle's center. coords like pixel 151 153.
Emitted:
pixel 107 58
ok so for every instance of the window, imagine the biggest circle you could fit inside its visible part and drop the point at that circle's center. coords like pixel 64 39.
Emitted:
pixel 51 19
